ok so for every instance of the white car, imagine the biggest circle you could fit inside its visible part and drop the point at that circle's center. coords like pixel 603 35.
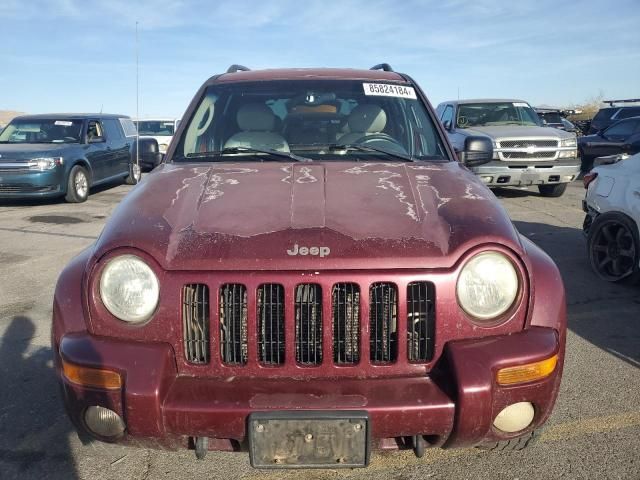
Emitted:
pixel 612 224
pixel 162 129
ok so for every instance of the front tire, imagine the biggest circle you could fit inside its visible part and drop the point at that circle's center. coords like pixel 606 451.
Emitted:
pixel 614 248
pixel 77 185
pixel 552 190
pixel 135 174
pixel 514 444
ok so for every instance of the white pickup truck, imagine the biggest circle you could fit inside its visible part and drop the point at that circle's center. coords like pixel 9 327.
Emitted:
pixel 524 151
pixel 162 129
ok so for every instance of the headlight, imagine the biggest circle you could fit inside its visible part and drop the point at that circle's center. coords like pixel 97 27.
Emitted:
pixel 487 285
pixel 129 289
pixel 568 142
pixel 163 147
pixel 45 163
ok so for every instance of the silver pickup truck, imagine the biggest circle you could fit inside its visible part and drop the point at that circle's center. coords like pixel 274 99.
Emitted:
pixel 525 152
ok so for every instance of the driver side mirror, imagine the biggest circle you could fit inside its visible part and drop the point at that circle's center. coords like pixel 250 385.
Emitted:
pixel 477 151
pixel 447 125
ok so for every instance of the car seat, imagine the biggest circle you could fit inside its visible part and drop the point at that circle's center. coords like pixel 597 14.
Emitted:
pixel 257 124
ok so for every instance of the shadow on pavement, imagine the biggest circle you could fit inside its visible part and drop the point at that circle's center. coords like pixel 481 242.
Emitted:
pixel 605 314
pixel 34 429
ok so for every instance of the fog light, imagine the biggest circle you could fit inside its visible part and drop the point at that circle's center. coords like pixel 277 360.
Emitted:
pixel 568 178
pixel 486 179
pixel 515 417
pixel 104 422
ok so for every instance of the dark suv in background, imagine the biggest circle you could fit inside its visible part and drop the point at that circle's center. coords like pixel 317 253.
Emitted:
pixel 611 114
pixel 66 154
pixel 620 137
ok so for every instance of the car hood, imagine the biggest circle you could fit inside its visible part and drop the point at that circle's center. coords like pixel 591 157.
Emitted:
pixel 250 216
pixel 16 151
pixel 521 131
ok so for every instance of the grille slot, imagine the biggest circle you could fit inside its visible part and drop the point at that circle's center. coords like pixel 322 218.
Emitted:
pixel 524 143
pixel 527 156
pixel 308 317
pixel 383 319
pixel 195 322
pixel 271 324
pixel 346 323
pixel 233 323
pixel 420 321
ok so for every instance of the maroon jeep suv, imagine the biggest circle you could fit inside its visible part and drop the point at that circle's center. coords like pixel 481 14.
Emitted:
pixel 310 276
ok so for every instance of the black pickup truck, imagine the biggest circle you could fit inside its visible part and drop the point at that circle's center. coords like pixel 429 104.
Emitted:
pixel 65 154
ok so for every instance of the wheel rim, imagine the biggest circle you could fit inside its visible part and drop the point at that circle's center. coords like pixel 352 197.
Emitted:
pixel 613 251
pixel 82 184
pixel 137 172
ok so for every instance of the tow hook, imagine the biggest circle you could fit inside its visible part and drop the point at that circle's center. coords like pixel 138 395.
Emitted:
pixel 418 445
pixel 202 447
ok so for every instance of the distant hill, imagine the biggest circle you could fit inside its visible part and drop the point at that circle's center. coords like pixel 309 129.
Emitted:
pixel 7 115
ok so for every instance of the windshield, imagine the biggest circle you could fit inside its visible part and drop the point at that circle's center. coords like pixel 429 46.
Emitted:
pixel 496 113
pixel 42 131
pixel 551 117
pixel 156 128
pixel 314 119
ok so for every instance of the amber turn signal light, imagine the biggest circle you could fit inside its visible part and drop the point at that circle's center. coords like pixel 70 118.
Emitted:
pixel 528 372
pixel 91 377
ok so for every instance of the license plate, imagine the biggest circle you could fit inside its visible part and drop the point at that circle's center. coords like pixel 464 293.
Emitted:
pixel 529 178
pixel 309 439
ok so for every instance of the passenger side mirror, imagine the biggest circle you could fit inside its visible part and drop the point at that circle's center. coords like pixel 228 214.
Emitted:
pixel 447 125
pixel 477 151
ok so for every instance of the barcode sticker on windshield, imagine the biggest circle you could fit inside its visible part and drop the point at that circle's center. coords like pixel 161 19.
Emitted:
pixel 63 123
pixel 386 90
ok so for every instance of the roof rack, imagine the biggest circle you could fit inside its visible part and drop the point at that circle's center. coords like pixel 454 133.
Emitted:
pixel 237 68
pixel 382 66
pixel 630 100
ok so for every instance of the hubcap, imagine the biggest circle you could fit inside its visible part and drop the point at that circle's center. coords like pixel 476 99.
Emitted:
pixel 136 172
pixel 614 251
pixel 82 185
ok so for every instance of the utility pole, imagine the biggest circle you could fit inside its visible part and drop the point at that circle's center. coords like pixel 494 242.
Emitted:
pixel 137 101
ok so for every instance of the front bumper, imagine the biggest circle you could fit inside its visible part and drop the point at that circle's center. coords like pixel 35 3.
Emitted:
pixel 453 406
pixel 32 184
pixel 503 174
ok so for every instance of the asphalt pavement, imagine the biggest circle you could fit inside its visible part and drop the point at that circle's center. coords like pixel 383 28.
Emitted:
pixel 593 433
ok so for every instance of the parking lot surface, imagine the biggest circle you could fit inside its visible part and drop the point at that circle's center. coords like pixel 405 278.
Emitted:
pixel 593 433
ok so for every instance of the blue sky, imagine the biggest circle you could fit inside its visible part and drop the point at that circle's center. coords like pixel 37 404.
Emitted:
pixel 67 55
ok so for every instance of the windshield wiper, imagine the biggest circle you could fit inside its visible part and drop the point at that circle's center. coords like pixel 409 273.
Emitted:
pixel 368 148
pixel 234 150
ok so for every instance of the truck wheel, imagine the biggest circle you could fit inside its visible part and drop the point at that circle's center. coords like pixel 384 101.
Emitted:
pixel 77 185
pixel 519 443
pixel 135 174
pixel 614 248
pixel 552 190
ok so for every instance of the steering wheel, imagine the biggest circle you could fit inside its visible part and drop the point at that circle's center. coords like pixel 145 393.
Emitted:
pixel 381 137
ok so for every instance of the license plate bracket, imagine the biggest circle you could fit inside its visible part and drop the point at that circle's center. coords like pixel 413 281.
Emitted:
pixel 309 439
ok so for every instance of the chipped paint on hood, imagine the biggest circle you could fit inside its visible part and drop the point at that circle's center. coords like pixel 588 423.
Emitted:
pixel 246 215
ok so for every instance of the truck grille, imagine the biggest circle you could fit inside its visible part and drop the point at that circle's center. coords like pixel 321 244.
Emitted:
pixel 524 143
pixel 195 322
pixel 260 321
pixel 527 156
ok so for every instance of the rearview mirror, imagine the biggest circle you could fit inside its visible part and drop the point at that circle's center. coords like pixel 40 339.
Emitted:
pixel 477 151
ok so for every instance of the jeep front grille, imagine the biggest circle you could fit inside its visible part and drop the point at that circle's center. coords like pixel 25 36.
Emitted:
pixel 271 347
pixel 308 315
pixel 341 323
pixel 233 324
pixel 383 317
pixel 420 321
pixel 524 143
pixel 195 323
pixel 346 323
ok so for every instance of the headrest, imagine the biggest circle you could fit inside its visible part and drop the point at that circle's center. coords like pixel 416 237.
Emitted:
pixel 367 118
pixel 256 117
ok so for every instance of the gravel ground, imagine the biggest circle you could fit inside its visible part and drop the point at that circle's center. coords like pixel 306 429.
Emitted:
pixel 593 433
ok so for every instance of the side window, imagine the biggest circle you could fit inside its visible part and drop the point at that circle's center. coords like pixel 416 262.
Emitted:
pixel 94 131
pixel 628 112
pixel 128 127
pixel 447 115
pixel 622 129
pixel 112 129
